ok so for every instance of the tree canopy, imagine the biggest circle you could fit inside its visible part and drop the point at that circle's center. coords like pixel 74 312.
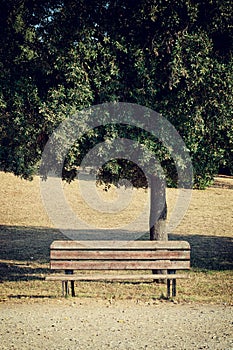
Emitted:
pixel 58 57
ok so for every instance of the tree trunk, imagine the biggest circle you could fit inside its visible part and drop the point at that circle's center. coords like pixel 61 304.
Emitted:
pixel 158 212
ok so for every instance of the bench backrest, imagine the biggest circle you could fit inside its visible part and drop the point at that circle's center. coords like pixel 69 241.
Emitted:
pixel 119 255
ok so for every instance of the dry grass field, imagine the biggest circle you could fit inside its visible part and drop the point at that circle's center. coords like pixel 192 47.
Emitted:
pixel 26 233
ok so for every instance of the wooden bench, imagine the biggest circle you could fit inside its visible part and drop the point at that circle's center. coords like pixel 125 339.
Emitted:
pixel 118 255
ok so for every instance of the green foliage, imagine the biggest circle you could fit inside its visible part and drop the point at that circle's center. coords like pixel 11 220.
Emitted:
pixel 58 57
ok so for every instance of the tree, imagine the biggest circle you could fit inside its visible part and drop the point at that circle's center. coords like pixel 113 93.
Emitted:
pixel 179 50
pixel 58 57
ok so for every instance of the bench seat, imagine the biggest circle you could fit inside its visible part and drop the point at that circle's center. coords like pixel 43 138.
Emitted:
pixel 95 256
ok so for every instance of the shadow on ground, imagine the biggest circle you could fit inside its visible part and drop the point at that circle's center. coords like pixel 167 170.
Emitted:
pixel 24 251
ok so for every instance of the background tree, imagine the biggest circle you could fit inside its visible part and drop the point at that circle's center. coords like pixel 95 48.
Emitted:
pixel 58 57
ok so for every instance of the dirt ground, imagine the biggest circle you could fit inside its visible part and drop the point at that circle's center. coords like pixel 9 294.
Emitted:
pixel 95 324
pixel 114 315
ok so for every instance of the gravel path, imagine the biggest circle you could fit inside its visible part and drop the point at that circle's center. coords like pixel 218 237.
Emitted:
pixel 122 325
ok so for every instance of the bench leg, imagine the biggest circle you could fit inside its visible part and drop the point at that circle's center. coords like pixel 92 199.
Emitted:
pixel 65 285
pixel 72 288
pixel 65 288
pixel 168 288
pixel 171 272
pixel 174 287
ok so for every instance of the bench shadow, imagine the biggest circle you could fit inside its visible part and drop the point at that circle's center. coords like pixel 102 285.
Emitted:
pixel 24 251
pixel 24 296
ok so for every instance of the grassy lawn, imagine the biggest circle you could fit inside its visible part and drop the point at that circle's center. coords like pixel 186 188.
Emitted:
pixel 26 233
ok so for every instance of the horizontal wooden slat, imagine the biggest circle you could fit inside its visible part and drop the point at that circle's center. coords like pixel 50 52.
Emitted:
pixel 99 277
pixel 118 265
pixel 127 245
pixel 115 254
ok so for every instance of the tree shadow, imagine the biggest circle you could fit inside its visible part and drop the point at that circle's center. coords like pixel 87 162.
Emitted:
pixel 24 251
pixel 207 252
pixel 11 271
pixel 30 244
